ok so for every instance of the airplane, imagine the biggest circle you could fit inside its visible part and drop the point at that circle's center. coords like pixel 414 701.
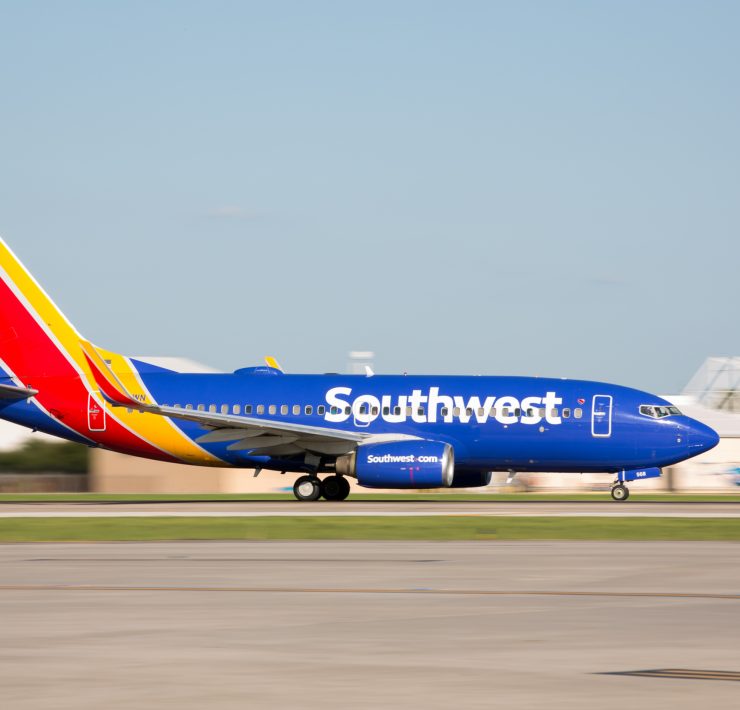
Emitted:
pixel 385 431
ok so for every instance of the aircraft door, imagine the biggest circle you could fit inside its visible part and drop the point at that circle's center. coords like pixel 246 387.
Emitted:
pixel 95 415
pixel 601 415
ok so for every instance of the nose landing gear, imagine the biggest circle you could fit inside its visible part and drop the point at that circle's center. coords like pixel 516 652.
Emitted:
pixel 620 492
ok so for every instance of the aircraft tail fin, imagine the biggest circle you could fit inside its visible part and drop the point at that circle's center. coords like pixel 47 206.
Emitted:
pixel 36 339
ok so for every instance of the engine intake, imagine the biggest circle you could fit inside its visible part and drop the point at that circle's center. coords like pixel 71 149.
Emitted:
pixel 400 464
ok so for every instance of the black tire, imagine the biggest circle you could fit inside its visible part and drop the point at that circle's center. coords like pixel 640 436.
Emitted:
pixel 331 488
pixel 620 493
pixel 345 488
pixel 307 488
pixel 335 488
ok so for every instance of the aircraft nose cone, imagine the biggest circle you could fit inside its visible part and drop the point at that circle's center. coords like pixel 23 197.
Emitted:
pixel 702 437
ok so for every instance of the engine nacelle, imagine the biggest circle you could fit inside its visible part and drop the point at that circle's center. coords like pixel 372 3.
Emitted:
pixel 400 464
pixel 471 479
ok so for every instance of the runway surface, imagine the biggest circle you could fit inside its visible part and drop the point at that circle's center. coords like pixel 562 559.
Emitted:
pixel 369 624
pixel 608 508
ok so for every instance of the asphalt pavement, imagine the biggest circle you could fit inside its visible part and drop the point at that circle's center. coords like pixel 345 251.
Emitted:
pixel 290 508
pixel 332 624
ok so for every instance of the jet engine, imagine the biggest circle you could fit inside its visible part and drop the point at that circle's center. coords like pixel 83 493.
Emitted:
pixel 400 464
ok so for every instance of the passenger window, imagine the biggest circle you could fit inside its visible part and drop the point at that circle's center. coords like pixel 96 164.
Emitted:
pixel 541 413
pixel 363 409
pixel 481 412
pixel 348 410
pixel 260 409
pixel 530 412
pixel 505 412
pixel 577 413
pixel 493 413
pixel 469 411
pixel 456 411
pixel 201 407
pixel 566 413
pixel 296 409
pixel 420 411
pixel 334 410
pixel 321 410
pixel 375 411
pixel 386 410
pixel 308 409
pixel 224 409
pixel 553 412
pixel 176 406
pixel 444 411
pixel 272 409
pixel 396 410
pixel 283 409
pixel 247 409
pixel 237 409
pixel 211 407
pixel 517 412
pixel 409 411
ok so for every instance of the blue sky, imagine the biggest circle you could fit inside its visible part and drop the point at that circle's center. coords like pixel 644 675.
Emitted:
pixel 546 188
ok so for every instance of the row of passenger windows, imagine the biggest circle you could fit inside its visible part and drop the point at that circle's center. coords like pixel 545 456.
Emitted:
pixel 272 409
pixel 252 409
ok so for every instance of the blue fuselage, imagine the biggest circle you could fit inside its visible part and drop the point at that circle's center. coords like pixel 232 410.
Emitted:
pixel 493 423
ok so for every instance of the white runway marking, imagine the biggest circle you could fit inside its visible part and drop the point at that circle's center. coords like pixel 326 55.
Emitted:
pixel 367 514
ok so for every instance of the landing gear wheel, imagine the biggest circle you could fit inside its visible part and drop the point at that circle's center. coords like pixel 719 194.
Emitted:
pixel 620 492
pixel 345 488
pixel 307 488
pixel 335 488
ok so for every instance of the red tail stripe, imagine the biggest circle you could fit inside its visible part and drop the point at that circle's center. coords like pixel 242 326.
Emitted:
pixel 36 359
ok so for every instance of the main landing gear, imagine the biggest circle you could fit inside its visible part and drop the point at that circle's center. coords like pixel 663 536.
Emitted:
pixel 620 492
pixel 311 488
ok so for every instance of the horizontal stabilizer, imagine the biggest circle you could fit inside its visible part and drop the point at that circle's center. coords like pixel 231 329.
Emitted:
pixel 13 392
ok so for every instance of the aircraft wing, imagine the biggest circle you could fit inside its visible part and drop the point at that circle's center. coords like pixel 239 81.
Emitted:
pixel 15 392
pixel 261 437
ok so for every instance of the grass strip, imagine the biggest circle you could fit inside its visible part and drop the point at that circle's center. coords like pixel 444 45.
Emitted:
pixel 359 497
pixel 366 528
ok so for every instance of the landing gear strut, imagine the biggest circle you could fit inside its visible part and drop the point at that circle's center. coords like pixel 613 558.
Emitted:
pixel 335 488
pixel 620 492
pixel 307 488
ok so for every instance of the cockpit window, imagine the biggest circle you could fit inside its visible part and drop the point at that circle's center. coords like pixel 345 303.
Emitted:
pixel 659 412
